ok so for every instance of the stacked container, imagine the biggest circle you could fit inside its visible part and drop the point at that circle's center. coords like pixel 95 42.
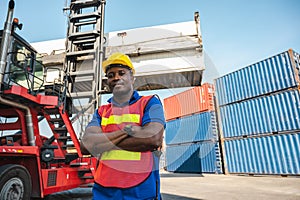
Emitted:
pixel 259 116
pixel 195 100
pixel 191 137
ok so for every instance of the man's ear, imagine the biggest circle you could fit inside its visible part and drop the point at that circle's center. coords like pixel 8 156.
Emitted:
pixel 133 79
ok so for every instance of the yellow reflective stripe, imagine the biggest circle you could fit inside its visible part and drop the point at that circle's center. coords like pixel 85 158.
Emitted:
pixel 118 119
pixel 121 155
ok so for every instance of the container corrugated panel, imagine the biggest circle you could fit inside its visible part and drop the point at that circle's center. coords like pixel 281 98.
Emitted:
pixel 210 157
pixel 199 157
pixel 195 100
pixel 276 73
pixel 193 128
pixel 183 158
pixel 274 154
pixel 279 112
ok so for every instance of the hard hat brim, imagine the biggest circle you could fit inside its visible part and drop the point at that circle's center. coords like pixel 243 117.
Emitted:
pixel 118 65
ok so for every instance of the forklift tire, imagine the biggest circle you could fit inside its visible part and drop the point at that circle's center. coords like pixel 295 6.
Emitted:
pixel 15 182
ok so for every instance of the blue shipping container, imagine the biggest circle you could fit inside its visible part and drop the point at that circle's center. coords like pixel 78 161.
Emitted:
pixel 193 128
pixel 272 74
pixel 274 154
pixel 279 112
pixel 201 157
pixel 210 157
pixel 183 158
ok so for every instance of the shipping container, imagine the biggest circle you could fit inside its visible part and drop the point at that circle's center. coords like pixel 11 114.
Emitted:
pixel 277 154
pixel 273 74
pixel 279 112
pixel 164 56
pixel 210 157
pixel 201 157
pixel 194 100
pixel 193 128
pixel 183 158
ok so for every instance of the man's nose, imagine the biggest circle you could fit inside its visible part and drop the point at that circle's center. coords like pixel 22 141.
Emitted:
pixel 116 76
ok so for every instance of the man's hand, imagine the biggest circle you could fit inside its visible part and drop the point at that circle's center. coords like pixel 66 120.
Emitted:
pixel 146 138
pixel 96 142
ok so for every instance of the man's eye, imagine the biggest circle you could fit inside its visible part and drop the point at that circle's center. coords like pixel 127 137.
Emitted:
pixel 110 75
pixel 121 73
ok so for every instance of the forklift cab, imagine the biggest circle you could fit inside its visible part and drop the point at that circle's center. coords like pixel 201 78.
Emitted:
pixel 23 66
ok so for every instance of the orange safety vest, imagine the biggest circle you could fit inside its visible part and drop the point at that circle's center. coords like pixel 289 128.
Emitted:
pixel 121 168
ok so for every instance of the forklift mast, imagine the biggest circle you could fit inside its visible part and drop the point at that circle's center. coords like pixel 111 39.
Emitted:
pixel 33 165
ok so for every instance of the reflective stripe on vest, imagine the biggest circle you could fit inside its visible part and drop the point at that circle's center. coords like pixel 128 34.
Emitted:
pixel 121 155
pixel 118 119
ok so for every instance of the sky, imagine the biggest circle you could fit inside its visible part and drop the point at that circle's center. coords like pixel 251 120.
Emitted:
pixel 235 33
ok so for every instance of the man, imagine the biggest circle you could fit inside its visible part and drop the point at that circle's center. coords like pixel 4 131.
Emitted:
pixel 127 133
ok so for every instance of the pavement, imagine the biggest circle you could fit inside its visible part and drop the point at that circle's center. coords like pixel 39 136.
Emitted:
pixel 177 186
pixel 180 186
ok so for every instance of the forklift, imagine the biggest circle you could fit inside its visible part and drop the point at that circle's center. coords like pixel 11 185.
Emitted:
pixel 33 165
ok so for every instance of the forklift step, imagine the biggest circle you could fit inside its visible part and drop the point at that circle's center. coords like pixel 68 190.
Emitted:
pixel 75 17
pixel 79 164
pixel 84 170
pixel 72 150
pixel 87 177
pixel 83 82
pixel 84 35
pixel 52 110
pixel 83 73
pixel 68 146
pixel 80 53
pixel 64 138
pixel 84 4
pixel 60 129
pixel 70 157
pixel 56 120
pixel 84 42
pixel 79 95
pixel 84 23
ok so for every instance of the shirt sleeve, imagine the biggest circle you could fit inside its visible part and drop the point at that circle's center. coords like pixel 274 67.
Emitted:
pixel 154 112
pixel 96 120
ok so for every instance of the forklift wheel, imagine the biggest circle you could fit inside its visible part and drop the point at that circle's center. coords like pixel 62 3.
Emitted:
pixel 15 182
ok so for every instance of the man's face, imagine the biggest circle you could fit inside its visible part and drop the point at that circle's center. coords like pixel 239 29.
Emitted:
pixel 120 80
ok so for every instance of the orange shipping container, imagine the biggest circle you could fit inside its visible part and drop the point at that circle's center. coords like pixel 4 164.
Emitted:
pixel 195 100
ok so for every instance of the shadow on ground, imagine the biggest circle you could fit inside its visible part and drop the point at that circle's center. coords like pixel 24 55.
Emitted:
pixel 86 194
pixel 74 194
pixel 170 175
pixel 176 197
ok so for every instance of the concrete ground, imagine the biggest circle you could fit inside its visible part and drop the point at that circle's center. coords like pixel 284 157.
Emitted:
pixel 176 186
pixel 179 186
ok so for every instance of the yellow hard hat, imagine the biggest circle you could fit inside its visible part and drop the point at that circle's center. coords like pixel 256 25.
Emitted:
pixel 117 58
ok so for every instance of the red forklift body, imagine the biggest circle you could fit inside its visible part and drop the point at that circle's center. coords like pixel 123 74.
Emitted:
pixel 50 165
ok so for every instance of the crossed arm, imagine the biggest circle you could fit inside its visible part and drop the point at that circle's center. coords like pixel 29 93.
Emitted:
pixel 146 138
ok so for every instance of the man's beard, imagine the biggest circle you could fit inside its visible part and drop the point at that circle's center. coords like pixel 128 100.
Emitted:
pixel 121 92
